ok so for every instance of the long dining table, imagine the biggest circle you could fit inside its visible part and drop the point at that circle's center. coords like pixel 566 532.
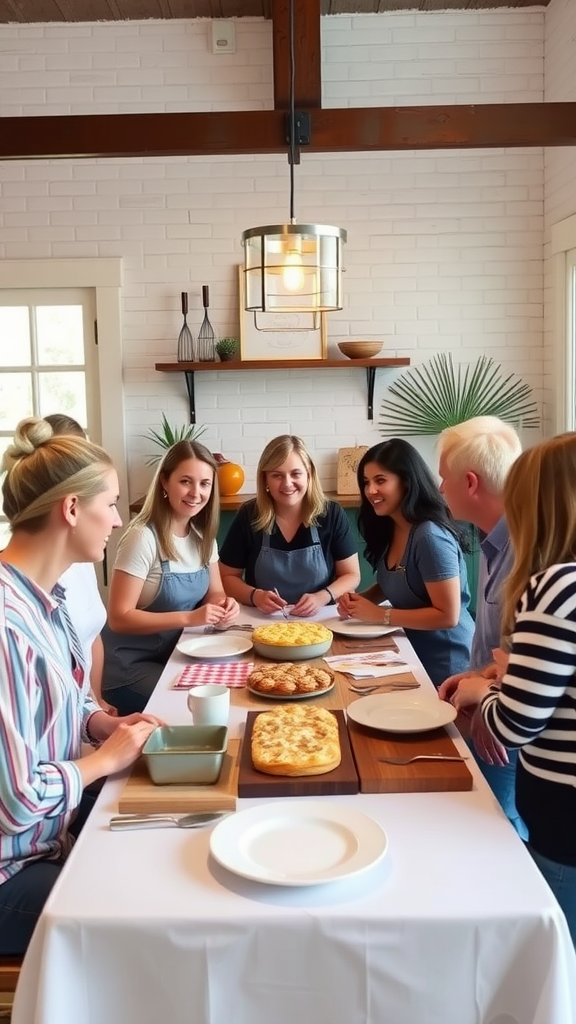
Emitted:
pixel 455 925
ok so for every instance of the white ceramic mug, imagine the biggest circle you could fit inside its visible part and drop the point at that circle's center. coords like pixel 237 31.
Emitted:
pixel 209 704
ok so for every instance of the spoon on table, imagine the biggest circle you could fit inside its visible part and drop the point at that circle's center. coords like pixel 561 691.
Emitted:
pixel 196 820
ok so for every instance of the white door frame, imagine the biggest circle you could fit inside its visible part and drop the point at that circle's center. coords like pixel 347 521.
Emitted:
pixel 104 276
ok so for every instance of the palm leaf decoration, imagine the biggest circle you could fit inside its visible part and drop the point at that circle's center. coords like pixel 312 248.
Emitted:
pixel 169 435
pixel 436 395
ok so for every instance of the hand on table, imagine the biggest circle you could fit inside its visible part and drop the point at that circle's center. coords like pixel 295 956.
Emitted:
pixel 102 725
pixel 486 746
pixel 125 744
pixel 215 613
pixel 464 691
pixel 354 606
pixel 268 601
pixel 309 604
pixel 123 740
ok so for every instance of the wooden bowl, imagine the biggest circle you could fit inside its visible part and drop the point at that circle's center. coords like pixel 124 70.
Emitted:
pixel 360 349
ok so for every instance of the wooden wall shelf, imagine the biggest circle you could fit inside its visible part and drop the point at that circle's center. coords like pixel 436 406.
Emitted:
pixel 232 502
pixel 371 365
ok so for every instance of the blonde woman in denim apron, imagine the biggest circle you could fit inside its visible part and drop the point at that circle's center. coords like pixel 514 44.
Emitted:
pixel 291 546
pixel 166 576
pixel 414 546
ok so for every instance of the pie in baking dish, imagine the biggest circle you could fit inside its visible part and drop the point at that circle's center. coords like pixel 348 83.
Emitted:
pixel 292 634
pixel 289 680
pixel 295 740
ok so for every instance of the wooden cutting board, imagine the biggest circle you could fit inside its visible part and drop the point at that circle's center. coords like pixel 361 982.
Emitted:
pixel 342 779
pixel 419 777
pixel 142 796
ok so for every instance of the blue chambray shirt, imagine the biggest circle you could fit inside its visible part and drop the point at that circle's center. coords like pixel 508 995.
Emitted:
pixel 495 565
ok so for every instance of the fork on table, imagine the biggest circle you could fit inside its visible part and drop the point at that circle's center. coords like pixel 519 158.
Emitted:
pixel 383 686
pixel 284 610
pixel 422 757
pixel 224 629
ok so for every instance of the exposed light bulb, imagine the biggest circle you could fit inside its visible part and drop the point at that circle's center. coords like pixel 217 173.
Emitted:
pixel 293 277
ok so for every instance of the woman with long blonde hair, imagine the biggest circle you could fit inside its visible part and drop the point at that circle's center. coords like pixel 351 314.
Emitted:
pixel 59 496
pixel 166 575
pixel 534 709
pixel 290 545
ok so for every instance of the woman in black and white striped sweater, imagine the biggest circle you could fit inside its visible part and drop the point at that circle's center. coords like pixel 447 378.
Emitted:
pixel 535 707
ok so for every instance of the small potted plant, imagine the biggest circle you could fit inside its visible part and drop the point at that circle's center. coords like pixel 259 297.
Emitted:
pixel 227 349
pixel 168 435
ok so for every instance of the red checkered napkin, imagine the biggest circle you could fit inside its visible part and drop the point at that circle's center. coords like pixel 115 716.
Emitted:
pixel 233 674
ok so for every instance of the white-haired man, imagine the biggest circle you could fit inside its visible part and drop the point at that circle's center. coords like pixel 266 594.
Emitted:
pixel 475 457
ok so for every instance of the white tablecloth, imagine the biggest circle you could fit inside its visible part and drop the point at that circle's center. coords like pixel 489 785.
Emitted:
pixel 454 926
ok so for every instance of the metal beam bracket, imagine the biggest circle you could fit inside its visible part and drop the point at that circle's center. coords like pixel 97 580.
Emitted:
pixel 370 379
pixel 301 128
pixel 189 377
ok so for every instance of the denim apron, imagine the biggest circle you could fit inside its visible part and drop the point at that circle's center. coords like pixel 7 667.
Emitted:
pixel 297 572
pixel 132 660
pixel 443 652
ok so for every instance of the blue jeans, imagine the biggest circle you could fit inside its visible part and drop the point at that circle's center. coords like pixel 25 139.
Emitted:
pixel 23 896
pixel 562 880
pixel 502 782
pixel 21 900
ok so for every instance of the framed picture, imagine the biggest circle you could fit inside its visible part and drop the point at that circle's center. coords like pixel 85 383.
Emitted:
pixel 280 335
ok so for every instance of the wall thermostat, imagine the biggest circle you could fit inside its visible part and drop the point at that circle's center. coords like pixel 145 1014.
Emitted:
pixel 223 36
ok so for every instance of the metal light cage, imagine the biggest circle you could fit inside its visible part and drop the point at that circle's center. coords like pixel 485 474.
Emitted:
pixel 293 268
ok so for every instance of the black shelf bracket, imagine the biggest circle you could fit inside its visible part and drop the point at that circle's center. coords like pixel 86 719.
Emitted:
pixel 370 378
pixel 189 377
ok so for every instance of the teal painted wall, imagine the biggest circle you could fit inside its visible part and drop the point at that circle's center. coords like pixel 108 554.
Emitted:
pixel 367 575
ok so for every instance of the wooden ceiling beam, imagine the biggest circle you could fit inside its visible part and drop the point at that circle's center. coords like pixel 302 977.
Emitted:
pixel 307 53
pixel 347 130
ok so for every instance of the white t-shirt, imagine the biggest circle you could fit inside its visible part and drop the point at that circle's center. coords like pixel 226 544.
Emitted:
pixel 137 555
pixel 84 605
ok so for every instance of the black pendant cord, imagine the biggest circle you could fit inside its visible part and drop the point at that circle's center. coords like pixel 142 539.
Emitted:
pixel 292 153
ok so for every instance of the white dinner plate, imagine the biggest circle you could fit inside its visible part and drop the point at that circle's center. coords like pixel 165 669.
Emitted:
pixel 401 712
pixel 307 843
pixel 291 696
pixel 353 627
pixel 214 646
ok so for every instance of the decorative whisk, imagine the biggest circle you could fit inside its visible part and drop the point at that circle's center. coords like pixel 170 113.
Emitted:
pixel 206 337
pixel 186 353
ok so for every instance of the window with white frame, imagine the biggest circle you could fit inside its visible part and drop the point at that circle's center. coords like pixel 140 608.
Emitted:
pixel 49 360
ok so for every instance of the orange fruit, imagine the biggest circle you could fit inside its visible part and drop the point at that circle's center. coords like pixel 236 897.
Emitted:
pixel 230 477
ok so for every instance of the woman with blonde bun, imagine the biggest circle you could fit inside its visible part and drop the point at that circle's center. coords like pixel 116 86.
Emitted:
pixel 59 496
pixel 85 606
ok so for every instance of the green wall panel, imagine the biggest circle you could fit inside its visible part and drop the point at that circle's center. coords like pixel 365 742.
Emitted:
pixel 367 574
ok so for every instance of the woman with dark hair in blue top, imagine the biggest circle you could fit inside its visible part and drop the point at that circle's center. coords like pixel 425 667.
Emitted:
pixel 415 547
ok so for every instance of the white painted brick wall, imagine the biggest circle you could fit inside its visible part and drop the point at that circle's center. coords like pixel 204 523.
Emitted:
pixel 444 252
pixel 560 170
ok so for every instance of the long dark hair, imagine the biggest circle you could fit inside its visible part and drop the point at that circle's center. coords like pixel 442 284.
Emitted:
pixel 422 501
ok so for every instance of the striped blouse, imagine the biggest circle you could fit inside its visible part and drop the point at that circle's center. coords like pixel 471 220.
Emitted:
pixel 536 710
pixel 43 716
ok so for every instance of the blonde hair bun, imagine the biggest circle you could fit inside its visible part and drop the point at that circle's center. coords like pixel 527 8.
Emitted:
pixel 30 434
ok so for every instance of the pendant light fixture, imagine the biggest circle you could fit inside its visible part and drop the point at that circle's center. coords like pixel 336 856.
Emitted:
pixel 293 267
